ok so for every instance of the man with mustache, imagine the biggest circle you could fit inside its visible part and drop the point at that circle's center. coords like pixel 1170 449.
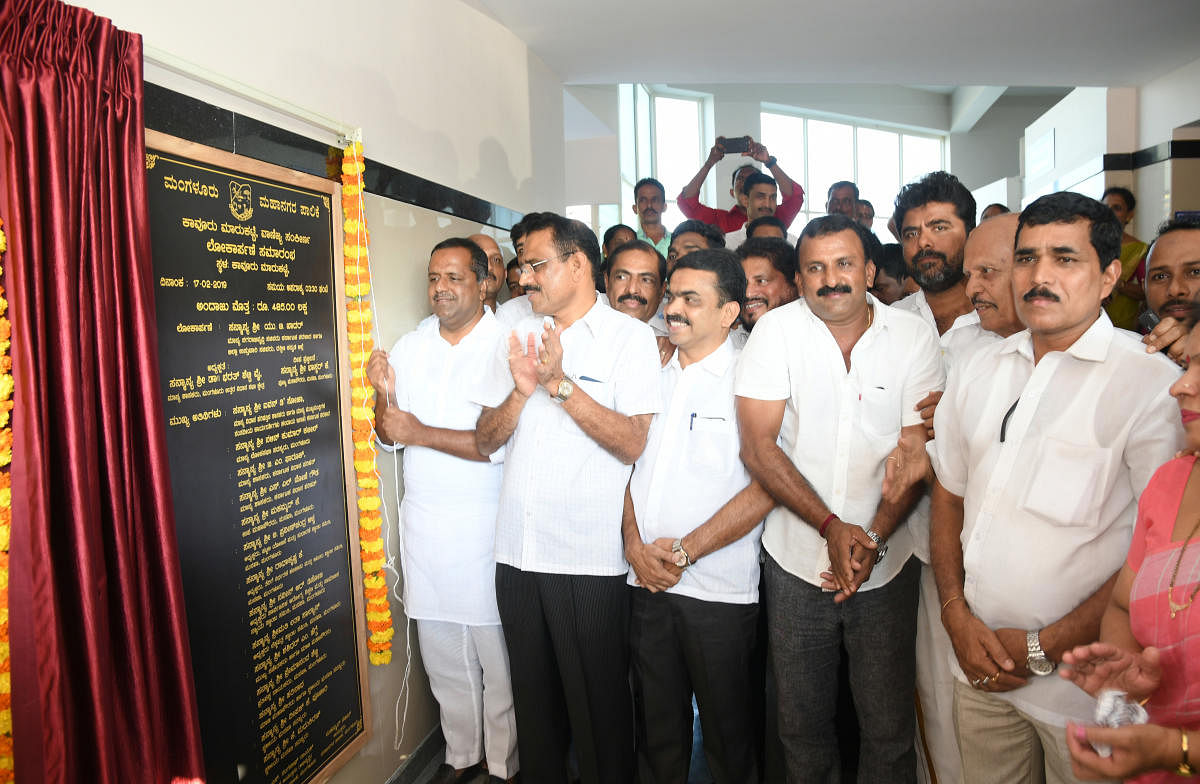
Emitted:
pixel 761 193
pixel 848 371
pixel 650 200
pixel 516 308
pixel 770 268
pixel 1044 440
pixel 496 273
pixel 693 235
pixel 448 516
pixel 636 272
pixel 692 523
pixel 1172 283
pixel 987 268
pixel 570 395
pixel 735 217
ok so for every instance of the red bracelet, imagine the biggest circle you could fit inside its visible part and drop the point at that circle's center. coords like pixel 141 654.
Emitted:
pixel 824 525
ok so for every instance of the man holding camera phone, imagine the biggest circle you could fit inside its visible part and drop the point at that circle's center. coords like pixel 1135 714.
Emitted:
pixel 735 217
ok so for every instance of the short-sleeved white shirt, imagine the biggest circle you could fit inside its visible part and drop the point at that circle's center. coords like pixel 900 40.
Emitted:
pixel 562 496
pixel 1048 512
pixel 448 514
pixel 513 310
pixel 690 469
pixel 840 426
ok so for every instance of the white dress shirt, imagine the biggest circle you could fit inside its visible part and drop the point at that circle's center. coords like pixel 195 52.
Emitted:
pixel 735 238
pixel 965 336
pixel 840 426
pixel 563 494
pixel 513 310
pixel 1049 511
pixel 690 469
pixel 448 515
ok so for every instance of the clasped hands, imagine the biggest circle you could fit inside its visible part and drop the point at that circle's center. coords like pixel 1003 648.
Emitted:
pixel 533 366
pixel 852 556
pixel 653 563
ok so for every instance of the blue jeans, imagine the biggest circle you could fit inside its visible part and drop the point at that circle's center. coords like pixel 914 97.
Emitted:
pixel 878 630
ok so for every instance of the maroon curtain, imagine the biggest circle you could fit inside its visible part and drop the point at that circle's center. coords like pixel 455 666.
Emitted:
pixel 101 676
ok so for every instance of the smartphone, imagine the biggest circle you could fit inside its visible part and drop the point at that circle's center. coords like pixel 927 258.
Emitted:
pixel 1148 320
pixel 737 144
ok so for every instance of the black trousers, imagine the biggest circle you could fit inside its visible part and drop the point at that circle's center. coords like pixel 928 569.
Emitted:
pixel 682 646
pixel 568 652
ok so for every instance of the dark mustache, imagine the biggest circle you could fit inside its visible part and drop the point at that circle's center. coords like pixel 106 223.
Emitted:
pixel 677 320
pixel 929 254
pixel 977 300
pixel 840 288
pixel 634 298
pixel 1175 302
pixel 1040 292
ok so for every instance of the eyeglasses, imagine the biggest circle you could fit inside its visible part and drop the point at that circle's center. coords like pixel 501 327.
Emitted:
pixel 529 267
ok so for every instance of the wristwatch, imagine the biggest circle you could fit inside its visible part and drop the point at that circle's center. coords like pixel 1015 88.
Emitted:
pixel 881 548
pixel 682 559
pixel 770 162
pixel 1037 661
pixel 565 388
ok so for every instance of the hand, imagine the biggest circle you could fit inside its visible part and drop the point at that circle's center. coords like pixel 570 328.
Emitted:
pixel 1171 336
pixel 400 427
pixel 549 366
pixel 984 659
pixel 653 565
pixel 522 363
pixel 1015 642
pixel 381 374
pixel 717 152
pixel 758 151
pixel 907 465
pixel 1136 749
pixel 927 406
pixel 666 349
pixel 851 557
pixel 1101 666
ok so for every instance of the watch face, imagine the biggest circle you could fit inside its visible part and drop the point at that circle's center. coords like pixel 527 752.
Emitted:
pixel 680 560
pixel 1040 666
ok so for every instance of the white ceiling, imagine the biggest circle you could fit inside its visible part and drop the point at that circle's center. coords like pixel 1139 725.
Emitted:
pixel 925 42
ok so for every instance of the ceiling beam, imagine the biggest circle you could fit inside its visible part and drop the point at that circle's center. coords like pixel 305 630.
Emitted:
pixel 969 104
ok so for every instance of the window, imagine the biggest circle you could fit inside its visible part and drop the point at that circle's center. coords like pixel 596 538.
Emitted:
pixel 818 153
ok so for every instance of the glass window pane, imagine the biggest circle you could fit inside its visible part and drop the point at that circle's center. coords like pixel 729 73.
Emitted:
pixel 922 154
pixel 628 137
pixel 677 143
pixel 642 107
pixel 580 212
pixel 878 168
pixel 831 159
pixel 783 136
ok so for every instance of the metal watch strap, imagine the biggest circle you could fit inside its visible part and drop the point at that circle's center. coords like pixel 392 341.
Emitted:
pixel 881 548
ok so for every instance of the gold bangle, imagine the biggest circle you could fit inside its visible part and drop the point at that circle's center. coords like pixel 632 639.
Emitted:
pixel 1185 767
pixel 946 603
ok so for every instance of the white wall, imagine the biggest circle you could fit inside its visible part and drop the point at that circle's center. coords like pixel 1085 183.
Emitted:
pixel 991 150
pixel 1167 103
pixel 439 89
pixel 1079 124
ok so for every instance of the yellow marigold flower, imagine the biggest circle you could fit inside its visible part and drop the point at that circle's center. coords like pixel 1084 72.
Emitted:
pixel 371 523
pixel 6 386
pixel 376 616
pixel 368 505
pixel 3 242
pixel 371 545
pixel 368 481
pixel 4 529
pixel 382 636
pixel 374 581
pixel 381 658
pixel 373 565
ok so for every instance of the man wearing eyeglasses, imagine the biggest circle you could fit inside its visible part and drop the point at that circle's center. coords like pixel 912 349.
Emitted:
pixel 571 394
pixel 1044 442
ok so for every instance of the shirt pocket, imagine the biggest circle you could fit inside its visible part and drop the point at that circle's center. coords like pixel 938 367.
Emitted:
pixel 880 407
pixel 598 386
pixel 1067 483
pixel 713 441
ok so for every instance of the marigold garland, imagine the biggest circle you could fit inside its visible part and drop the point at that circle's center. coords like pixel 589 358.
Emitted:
pixel 362 412
pixel 6 404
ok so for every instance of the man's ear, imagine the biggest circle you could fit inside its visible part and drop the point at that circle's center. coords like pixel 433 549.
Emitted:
pixel 870 273
pixel 1109 277
pixel 729 314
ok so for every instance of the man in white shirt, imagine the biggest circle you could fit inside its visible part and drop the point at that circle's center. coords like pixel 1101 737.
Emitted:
pixel 572 398
pixel 636 276
pixel 514 309
pixel 496 275
pixel 691 526
pixel 848 371
pixel 987 269
pixel 447 518
pixel 1044 441
pixel 770 267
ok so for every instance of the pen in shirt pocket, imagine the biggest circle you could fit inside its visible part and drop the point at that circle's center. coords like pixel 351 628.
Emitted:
pixel 695 416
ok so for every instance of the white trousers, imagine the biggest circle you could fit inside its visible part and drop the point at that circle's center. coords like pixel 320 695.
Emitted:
pixel 935 687
pixel 468 673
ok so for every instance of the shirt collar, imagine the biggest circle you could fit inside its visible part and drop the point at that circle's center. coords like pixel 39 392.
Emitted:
pixel 596 314
pixel 1091 346
pixel 715 363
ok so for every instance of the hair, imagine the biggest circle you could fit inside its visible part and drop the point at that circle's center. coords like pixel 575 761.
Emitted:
pixel 1066 207
pixel 637 245
pixel 841 184
pixel 869 204
pixel 936 186
pixel 512 264
pixel 608 235
pixel 479 260
pixel 714 236
pixel 891 262
pixel 731 278
pixel 1175 224
pixel 766 220
pixel 1003 207
pixel 649 181
pixel 733 179
pixel 568 235
pixel 518 229
pixel 836 223
pixel 779 252
pixel 758 178
pixel 1125 194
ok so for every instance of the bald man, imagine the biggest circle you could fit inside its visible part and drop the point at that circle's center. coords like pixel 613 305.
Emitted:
pixel 987 265
pixel 496 276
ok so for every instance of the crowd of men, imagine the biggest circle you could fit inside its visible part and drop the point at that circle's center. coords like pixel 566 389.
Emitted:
pixel 672 456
